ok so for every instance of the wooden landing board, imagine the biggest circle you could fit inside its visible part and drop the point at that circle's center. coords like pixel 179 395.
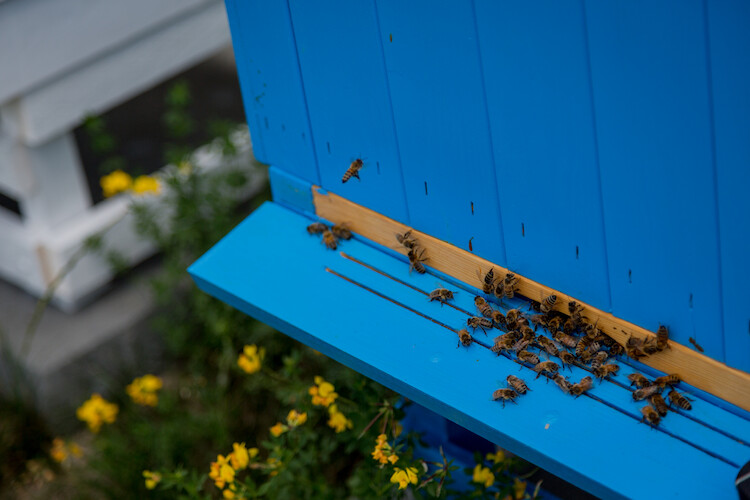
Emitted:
pixel 694 368
pixel 368 312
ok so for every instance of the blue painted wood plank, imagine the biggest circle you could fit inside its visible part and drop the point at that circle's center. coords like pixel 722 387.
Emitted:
pixel 291 191
pixel 729 41
pixel 654 134
pixel 272 92
pixel 441 122
pixel 419 359
pixel 539 100
pixel 347 94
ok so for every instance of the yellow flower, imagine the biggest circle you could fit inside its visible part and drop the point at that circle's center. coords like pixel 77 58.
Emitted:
pixel 115 182
pixel 240 456
pixel 143 390
pixel 496 457
pixel 404 476
pixel 152 479
pixel 483 475
pixel 96 411
pixel 215 472
pixel 278 429
pixel 58 451
pixel 323 393
pixel 146 184
pixel 226 473
pixel 519 488
pixel 252 452
pixel 295 419
pixel 338 420
pixel 383 452
pixel 228 493
pixel 250 359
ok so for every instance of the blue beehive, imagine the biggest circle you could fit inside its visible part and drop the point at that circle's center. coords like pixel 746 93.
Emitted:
pixel 599 149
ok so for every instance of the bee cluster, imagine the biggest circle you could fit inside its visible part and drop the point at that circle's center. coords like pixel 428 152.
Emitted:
pixel 652 392
pixel 332 235
pixel 416 252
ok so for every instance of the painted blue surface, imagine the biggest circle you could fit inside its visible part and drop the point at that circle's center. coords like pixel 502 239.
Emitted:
pixel 419 358
pixel 539 101
pixel 651 97
pixel 290 191
pixel 728 29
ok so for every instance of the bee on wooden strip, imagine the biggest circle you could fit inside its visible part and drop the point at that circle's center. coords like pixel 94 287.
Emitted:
pixel 698 347
pixel 650 415
pixel 342 231
pixel 441 294
pixel 415 261
pixel 645 392
pixel 353 170
pixel 638 380
pixel 317 228
pixel 464 337
pixel 567 340
pixel 406 240
pixel 546 366
pixel 667 380
pixel 483 307
pixel 606 370
pixel 505 395
pixel 679 400
pixel 548 345
pixel 650 347
pixel 567 359
pixel 662 338
pixel 591 331
pixel 562 383
pixel 329 240
pixel 585 384
pixel 634 348
pixel 517 384
pixel 479 322
pixel 548 304
pixel 488 282
pixel 659 404
pixel 510 285
pixel 528 357
pixel 575 309
pixel 598 360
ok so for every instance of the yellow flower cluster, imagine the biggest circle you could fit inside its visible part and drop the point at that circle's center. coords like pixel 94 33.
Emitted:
pixel 223 470
pixel 337 420
pixel 295 419
pixel 278 429
pixel 250 359
pixel 383 452
pixel 483 475
pixel 404 477
pixel 61 450
pixel 151 479
pixel 119 181
pixel 95 411
pixel 143 390
pixel 496 457
pixel 323 393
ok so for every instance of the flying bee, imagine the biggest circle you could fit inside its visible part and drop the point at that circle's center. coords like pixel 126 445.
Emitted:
pixel 415 261
pixel 342 231
pixel 528 357
pixel 638 380
pixel 662 338
pixel 317 228
pixel 499 318
pixel 567 359
pixel 510 285
pixel 329 240
pixel 650 415
pixel 441 294
pixel 546 366
pixel 517 384
pixel 659 404
pixel 645 392
pixel 548 345
pixel 606 370
pixel 567 340
pixel 479 322
pixel 483 307
pixel 562 383
pixel 353 170
pixel 548 304
pixel 406 240
pixel 667 380
pixel 464 337
pixel 680 400
pixel 692 341
pixel 598 360
pixel 585 384
pixel 505 395
pixel 488 282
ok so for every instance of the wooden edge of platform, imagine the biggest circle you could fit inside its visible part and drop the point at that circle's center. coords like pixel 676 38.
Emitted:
pixel 694 368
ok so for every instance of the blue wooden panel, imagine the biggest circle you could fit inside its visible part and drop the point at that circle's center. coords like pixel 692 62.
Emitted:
pixel 347 95
pixel 651 100
pixel 539 101
pixel 729 39
pixel 426 366
pixel 440 115
pixel 271 87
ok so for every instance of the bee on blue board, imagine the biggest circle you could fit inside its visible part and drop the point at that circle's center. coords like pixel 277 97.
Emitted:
pixel 353 170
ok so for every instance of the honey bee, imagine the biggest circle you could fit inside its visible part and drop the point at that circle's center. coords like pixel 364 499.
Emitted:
pixel 498 318
pixel 517 384
pixel 505 395
pixel 527 333
pixel 316 228
pixel 479 322
pixel 650 415
pixel 659 404
pixel 511 317
pixel 650 346
pixel 567 340
pixel 415 261
pixel 483 307
pixel 692 341
pixel 582 345
pixel 606 370
pixel 645 392
pixel 679 400
pixel 616 349
pixel 589 353
pixel 406 240
pixel 567 359
pixel 548 304
pixel 635 348
pixel 329 240
pixel 353 170
pixel 667 380
pixel 510 285
pixel 342 231
pixel 598 360
pixel 569 326
pixel 504 342
pixel 488 282
pixel 520 345
pixel 538 320
pixel 562 383
pixel 585 384
pixel 546 366
pixel 575 309
pixel 638 380
pixel 441 294
pixel 528 357
pixel 554 324
pixel 464 337
pixel 548 345
pixel 662 338
pixel 591 331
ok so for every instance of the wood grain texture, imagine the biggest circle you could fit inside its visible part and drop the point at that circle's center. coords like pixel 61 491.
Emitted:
pixel 694 368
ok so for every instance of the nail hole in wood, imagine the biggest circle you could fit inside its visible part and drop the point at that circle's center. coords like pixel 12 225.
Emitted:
pixel 425 188
pixel 630 276
pixel 283 127
pixel 390 36
pixel 691 301
pixel 265 119
pixel 523 230
pixel 576 252
pixel 328 145
pixel 471 248
pixel 377 164
pixel 472 208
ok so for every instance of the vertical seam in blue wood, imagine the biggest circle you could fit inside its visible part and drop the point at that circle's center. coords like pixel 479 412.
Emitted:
pixel 393 117
pixel 714 170
pixel 489 129
pixel 598 170
pixel 304 94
